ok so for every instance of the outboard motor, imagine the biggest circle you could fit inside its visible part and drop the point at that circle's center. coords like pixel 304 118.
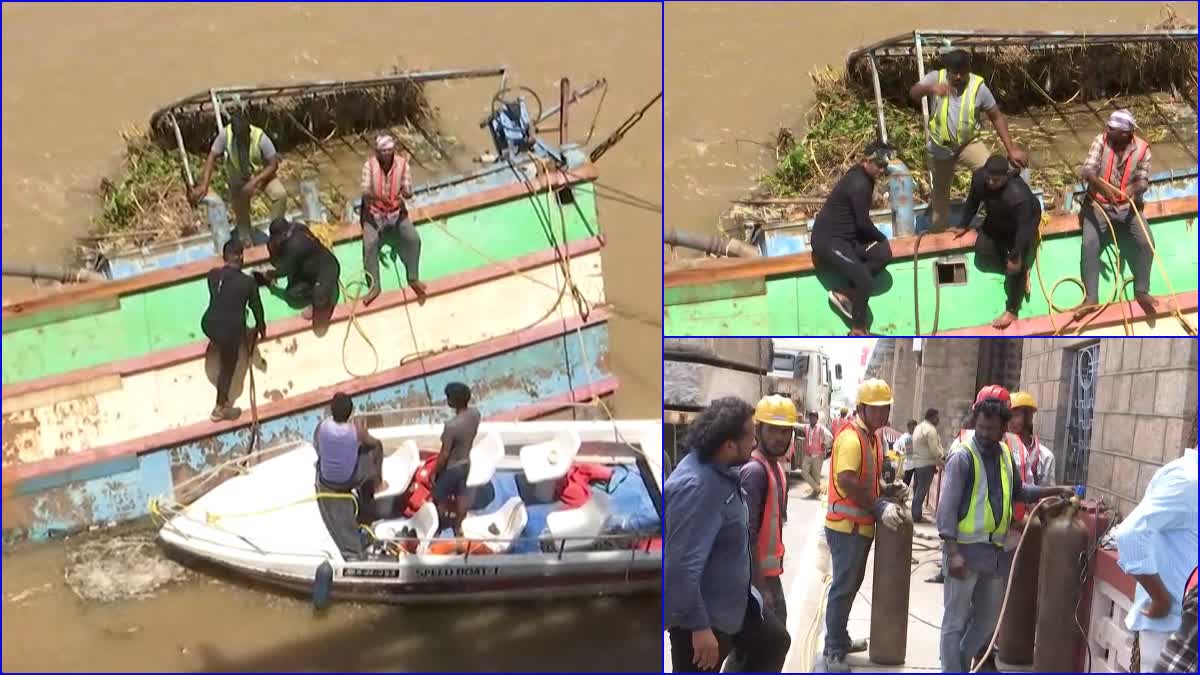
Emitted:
pixel 512 131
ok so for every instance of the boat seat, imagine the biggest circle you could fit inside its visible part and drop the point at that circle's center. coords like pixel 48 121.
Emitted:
pixel 498 529
pixel 550 460
pixel 399 468
pixel 586 521
pixel 485 457
pixel 424 521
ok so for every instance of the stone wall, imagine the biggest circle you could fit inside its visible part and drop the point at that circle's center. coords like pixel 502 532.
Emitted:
pixel 1144 412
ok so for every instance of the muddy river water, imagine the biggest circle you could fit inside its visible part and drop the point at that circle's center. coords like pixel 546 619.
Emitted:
pixel 75 76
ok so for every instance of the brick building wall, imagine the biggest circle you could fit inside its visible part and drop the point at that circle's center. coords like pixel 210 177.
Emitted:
pixel 1143 412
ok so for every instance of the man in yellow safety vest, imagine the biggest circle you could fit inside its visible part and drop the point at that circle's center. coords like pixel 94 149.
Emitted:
pixel 956 98
pixel 251 162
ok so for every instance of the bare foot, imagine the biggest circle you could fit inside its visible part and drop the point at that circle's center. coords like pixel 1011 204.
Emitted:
pixel 371 295
pixel 419 288
pixel 1147 302
pixel 1087 308
pixel 1004 320
pixel 307 314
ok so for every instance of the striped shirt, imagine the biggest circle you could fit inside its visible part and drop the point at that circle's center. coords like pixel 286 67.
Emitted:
pixel 1141 172
pixel 398 162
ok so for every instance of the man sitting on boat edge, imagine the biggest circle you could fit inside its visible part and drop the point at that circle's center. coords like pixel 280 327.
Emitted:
pixel 251 162
pixel 386 184
pixel 845 240
pixel 349 461
pixel 1009 230
pixel 454 459
pixel 311 269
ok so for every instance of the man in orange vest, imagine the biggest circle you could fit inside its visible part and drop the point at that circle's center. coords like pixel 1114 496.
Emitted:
pixel 1117 171
pixel 817 443
pixel 386 183
pixel 854 506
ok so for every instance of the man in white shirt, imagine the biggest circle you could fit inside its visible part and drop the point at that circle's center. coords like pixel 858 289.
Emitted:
pixel 927 456
pixel 903 449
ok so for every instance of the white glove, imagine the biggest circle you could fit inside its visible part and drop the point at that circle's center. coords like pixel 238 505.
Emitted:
pixel 892 517
pixel 902 491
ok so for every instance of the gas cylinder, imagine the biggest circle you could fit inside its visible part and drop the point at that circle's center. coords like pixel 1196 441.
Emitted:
pixel 889 592
pixel 900 195
pixel 1020 616
pixel 1064 546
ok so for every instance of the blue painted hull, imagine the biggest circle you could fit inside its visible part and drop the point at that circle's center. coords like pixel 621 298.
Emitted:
pixel 120 489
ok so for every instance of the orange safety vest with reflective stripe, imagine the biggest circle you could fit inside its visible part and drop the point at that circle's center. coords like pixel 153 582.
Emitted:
pixel 1021 455
pixel 869 470
pixel 812 441
pixel 1108 159
pixel 769 547
pixel 386 186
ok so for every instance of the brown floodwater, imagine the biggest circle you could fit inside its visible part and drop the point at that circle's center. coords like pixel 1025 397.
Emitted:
pixel 75 76
pixel 738 72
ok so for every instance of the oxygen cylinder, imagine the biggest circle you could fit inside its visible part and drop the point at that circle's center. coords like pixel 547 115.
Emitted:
pixel 889 592
pixel 1020 617
pixel 1064 544
pixel 900 195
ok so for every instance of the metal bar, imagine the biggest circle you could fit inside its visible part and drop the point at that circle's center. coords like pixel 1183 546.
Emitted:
pixel 187 166
pixel 216 102
pixel 924 99
pixel 564 94
pixel 575 96
pixel 878 98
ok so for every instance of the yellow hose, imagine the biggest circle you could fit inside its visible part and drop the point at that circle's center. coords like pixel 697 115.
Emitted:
pixel 213 518
pixel 360 286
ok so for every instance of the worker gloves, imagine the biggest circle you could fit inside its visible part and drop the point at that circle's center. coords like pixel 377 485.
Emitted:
pixel 892 517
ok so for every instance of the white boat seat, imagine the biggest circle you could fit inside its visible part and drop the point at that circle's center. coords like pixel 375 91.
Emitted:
pixel 424 521
pixel 485 457
pixel 586 521
pixel 550 460
pixel 400 467
pixel 498 529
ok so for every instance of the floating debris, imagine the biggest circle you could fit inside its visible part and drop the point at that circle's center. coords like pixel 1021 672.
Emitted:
pixel 105 569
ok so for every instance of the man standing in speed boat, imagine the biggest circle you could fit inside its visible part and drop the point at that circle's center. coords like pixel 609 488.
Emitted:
pixel 454 460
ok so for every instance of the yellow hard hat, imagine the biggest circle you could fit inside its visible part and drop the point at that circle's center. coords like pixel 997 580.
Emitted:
pixel 874 392
pixel 1023 399
pixel 777 410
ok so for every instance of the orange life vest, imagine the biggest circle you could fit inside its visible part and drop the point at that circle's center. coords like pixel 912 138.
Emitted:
pixel 1108 160
pixel 386 186
pixel 812 441
pixel 422 486
pixel 869 470
pixel 769 546
pixel 1023 460
pixel 1191 581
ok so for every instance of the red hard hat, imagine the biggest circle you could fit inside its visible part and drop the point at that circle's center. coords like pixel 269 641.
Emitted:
pixel 992 391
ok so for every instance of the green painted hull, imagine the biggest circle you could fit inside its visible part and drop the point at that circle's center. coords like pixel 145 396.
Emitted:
pixel 89 334
pixel 798 305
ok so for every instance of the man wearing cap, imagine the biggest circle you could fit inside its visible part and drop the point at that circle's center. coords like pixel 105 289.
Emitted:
pixel 1117 172
pixel 251 163
pixel 980 486
pixel 386 183
pixel 1035 460
pixel 956 97
pixel 845 240
pixel 854 508
pixel 1009 230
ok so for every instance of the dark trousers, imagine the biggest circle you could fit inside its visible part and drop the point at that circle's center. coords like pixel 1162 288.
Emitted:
pixel 367 471
pixel 763 643
pixel 319 290
pixel 908 476
pixel 228 340
pixel 772 590
pixel 401 234
pixel 1096 236
pixel 995 252
pixel 859 263
pixel 923 477
pixel 848 553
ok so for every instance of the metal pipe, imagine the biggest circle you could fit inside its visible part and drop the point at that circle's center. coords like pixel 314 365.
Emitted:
pixel 575 96
pixel 564 93
pixel 710 243
pixel 878 97
pixel 52 272
pixel 924 99
pixel 187 166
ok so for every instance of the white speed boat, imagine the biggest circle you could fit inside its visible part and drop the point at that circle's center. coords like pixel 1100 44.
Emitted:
pixel 265 522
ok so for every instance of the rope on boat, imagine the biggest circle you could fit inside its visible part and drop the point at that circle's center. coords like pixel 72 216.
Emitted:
pixel 359 286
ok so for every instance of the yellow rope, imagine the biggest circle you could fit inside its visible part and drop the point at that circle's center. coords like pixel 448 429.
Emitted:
pixel 213 518
pixel 360 286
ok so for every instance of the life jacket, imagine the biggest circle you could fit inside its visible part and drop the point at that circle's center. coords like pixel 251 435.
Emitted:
pixel 1027 467
pixel 869 471
pixel 939 122
pixel 385 187
pixel 575 489
pixel 459 547
pixel 231 153
pixel 769 546
pixel 980 524
pixel 422 486
pixel 812 441
pixel 1108 160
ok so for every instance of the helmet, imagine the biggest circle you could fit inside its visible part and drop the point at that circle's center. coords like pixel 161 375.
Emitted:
pixel 1023 399
pixel 845 411
pixel 991 391
pixel 776 410
pixel 874 392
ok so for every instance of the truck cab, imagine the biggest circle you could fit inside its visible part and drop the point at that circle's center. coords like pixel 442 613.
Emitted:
pixel 806 376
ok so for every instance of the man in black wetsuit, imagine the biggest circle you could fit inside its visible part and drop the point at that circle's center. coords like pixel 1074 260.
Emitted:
pixel 311 269
pixel 845 240
pixel 224 322
pixel 1009 229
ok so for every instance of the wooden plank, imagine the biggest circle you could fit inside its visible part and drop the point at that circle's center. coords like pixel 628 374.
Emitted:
pixel 112 289
pixel 713 270
pixel 47 397
pixel 725 290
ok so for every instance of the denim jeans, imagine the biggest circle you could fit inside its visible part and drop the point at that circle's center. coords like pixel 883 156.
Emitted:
pixel 972 609
pixel 848 553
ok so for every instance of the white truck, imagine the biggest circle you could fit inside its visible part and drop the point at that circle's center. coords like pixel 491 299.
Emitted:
pixel 806 374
